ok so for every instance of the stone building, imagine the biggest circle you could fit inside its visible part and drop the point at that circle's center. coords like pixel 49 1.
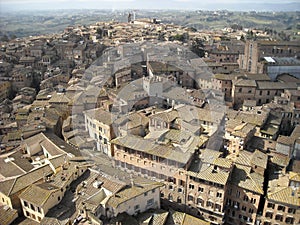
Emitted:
pixel 255 51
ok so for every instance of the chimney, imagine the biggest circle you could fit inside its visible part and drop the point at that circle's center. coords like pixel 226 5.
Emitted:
pixel 85 212
pixel 173 104
pixel 131 180
pixel 45 178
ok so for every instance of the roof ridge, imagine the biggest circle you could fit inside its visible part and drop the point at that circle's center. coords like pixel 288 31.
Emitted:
pixel 294 174
pixel 276 192
pixel 249 175
pixel 184 216
pixel 12 187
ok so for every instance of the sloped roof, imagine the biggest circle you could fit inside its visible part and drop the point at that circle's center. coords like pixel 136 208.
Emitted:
pixel 245 179
pixel 212 175
pixel 12 186
pixel 10 215
pixel 38 194
pixel 100 115
pixel 286 195
pixel 147 146
pixel 131 192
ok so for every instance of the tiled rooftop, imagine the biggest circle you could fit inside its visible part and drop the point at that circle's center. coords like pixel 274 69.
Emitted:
pixel 285 195
pixel 131 192
pixel 212 175
pixel 15 185
pixel 147 146
pixel 100 115
pixel 38 194
pixel 10 215
pixel 242 177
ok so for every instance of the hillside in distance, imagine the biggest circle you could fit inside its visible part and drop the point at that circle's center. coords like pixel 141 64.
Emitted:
pixel 26 23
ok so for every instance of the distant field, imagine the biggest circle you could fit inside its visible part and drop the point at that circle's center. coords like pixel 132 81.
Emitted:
pixel 42 22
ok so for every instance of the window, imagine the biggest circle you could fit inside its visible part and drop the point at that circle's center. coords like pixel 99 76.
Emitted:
pixel 236 204
pixel 25 203
pixel 290 220
pixel 136 207
pixel 209 204
pixel 251 210
pixel 27 213
pixel 191 186
pixel 240 89
pixel 219 195
pixel 200 201
pixel 200 189
pixel 238 193
pixel 269 215
pixel 150 202
pixel 233 213
pixel 58 198
pixel 39 209
pixel 244 208
pixel 246 199
pixel 31 206
pixel 278 217
pixel 218 207
pixel 281 208
pixel 179 200
pixel 271 205
pixel 291 210
pixel 253 200
pixel 179 190
pixel 190 198
pixel 146 193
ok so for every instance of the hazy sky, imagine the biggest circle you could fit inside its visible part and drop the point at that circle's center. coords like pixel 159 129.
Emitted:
pixel 142 4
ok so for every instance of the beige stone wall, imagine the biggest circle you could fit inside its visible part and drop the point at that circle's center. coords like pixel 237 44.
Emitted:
pixel 290 214
pixel 241 93
pixel 4 200
pixel 241 205
pixel 141 203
